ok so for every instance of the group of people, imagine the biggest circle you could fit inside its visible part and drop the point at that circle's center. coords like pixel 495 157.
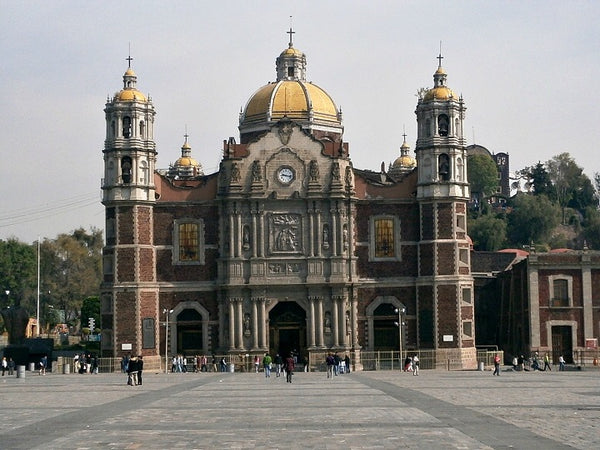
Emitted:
pixel 286 366
pixel 411 364
pixel 8 365
pixel 133 366
pixel 337 365
pixel 85 363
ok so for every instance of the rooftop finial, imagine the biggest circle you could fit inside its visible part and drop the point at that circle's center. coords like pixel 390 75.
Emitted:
pixel 129 58
pixel 404 133
pixel 440 57
pixel 186 135
pixel 291 33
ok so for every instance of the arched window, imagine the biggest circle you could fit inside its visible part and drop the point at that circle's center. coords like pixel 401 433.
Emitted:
pixel 112 129
pixel 428 128
pixel 443 125
pixel 127 126
pixel 142 129
pixel 444 167
pixel 126 169
pixel 143 172
pixel 459 169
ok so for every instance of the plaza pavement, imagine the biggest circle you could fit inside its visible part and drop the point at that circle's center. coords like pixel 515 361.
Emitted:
pixel 373 410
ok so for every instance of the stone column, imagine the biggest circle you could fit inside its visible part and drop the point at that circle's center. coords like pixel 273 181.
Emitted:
pixel 240 325
pixel 311 321
pixel 263 323
pixel 320 336
pixel 239 233
pixel 231 324
pixel 254 234
pixel 342 315
pixel 586 285
pixel 335 321
pixel 334 232
pixel 261 234
pixel 255 344
pixel 319 234
pixel 354 320
pixel 231 234
pixel 311 232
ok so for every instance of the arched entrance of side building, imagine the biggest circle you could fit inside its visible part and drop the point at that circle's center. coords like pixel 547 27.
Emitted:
pixel 383 324
pixel 188 329
pixel 287 329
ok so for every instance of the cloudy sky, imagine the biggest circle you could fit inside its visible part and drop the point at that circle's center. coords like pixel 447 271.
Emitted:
pixel 525 70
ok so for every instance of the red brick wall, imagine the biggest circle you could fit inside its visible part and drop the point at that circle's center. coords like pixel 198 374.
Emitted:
pixel 426 316
pixel 146 264
pixel 427 222
pixel 446 259
pixel 127 326
pixel 447 315
pixel 426 260
pixel 125 263
pixel 445 221
pixel 144 225
pixel 125 225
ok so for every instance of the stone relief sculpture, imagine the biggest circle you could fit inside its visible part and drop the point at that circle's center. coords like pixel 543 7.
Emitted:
pixel 348 177
pixel 247 328
pixel 314 170
pixel 326 236
pixel 286 232
pixel 327 322
pixel 235 173
pixel 335 171
pixel 285 131
pixel 256 173
pixel 246 237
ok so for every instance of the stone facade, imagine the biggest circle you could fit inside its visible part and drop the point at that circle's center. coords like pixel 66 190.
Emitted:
pixel 288 247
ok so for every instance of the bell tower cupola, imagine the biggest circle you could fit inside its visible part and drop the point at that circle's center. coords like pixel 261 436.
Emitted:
pixel 440 150
pixel 129 147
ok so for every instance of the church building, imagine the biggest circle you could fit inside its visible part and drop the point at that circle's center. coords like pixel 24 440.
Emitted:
pixel 287 247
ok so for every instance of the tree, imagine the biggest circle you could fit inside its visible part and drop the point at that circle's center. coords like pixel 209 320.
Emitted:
pixel 537 176
pixel 573 188
pixel 487 232
pixel 18 267
pixel 482 174
pixel 532 219
pixel 72 270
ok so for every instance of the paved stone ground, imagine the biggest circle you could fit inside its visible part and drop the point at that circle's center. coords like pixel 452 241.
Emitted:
pixel 373 410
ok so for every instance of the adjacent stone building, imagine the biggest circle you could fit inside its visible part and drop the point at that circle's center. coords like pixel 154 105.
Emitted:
pixel 288 247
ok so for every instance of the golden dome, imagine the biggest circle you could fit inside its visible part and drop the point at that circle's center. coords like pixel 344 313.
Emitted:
pixel 130 73
pixel 404 161
pixel 129 95
pixel 291 51
pixel 295 99
pixel 186 161
pixel 439 93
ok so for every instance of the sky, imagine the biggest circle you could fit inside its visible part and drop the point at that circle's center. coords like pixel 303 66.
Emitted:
pixel 524 69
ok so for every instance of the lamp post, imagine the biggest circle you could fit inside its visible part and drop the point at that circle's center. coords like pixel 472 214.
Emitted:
pixel 167 313
pixel 400 312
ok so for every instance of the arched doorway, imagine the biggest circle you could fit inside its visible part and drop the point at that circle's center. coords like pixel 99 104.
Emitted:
pixel 189 332
pixel 385 327
pixel 287 329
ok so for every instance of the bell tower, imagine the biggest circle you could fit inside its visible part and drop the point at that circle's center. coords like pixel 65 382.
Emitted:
pixel 129 297
pixel 445 295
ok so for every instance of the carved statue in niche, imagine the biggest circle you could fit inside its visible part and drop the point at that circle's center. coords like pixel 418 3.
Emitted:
pixel 246 237
pixel 345 236
pixel 285 131
pixel 335 171
pixel 247 328
pixel 348 177
pixel 325 236
pixel 235 173
pixel 256 174
pixel 314 170
pixel 327 328
pixel 347 322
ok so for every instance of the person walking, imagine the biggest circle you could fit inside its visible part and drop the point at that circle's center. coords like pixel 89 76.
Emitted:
pixel 561 363
pixel 330 363
pixel 132 372
pixel 11 366
pixel 347 361
pixel 496 365
pixel 256 363
pixel 267 361
pixel 4 365
pixel 278 364
pixel 289 368
pixel 415 364
pixel 547 363
pixel 43 364
pixel 140 368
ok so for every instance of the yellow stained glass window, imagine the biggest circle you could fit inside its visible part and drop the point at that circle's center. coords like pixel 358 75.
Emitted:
pixel 384 238
pixel 188 242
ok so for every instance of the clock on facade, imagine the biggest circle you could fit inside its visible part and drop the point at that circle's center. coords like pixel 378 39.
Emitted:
pixel 285 175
